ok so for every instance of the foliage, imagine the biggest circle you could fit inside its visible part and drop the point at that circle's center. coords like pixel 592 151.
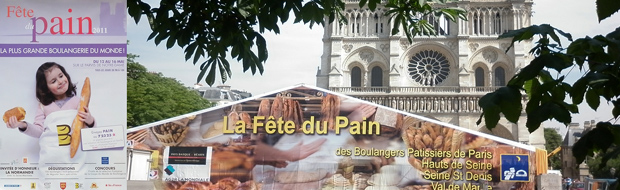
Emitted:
pixel 553 141
pixel 547 93
pixel 152 97
pixel 597 57
pixel 219 28
pixel 600 170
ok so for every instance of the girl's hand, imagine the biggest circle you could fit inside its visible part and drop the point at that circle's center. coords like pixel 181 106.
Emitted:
pixel 13 123
pixel 86 117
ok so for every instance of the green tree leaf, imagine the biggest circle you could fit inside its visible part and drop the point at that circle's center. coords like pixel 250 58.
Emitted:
pixel 561 114
pixel 579 90
pixel 362 3
pixel 510 103
pixel 606 8
pixel 491 110
pixel 557 61
pixel 528 72
pixel 616 110
pixel 593 99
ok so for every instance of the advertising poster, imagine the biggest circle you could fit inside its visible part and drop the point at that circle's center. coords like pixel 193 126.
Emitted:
pixel 308 138
pixel 64 97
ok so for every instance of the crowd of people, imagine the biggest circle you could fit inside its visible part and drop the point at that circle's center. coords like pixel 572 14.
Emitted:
pixel 567 182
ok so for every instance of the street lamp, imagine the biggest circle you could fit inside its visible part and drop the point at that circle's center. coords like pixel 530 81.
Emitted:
pixel 613 172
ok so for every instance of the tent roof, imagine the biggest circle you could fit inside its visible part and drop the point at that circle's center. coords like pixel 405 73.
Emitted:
pixel 304 86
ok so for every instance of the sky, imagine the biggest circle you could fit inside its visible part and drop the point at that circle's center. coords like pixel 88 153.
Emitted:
pixel 295 54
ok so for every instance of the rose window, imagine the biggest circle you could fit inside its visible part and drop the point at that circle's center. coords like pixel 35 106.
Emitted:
pixel 429 67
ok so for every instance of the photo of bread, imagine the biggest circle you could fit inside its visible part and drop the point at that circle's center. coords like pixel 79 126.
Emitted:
pixel 170 134
pixel 18 112
pixel 426 136
pixel 215 130
pixel 222 184
pixel 77 124
pixel 410 152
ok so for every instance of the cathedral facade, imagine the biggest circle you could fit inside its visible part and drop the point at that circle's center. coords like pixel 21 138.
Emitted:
pixel 440 77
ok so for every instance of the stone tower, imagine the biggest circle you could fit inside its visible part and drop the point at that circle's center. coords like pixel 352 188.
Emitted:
pixel 440 77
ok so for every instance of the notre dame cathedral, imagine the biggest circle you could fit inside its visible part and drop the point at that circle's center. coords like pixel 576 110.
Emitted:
pixel 440 77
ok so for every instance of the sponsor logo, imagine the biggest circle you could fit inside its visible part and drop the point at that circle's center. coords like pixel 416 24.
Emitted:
pixel 64 138
pixel 33 185
pixel 169 170
pixel 129 143
pixel 25 160
pixel 78 185
pixel 94 186
pixel 12 185
pixel 47 185
pixel 154 174
pixel 63 185
pixel 515 167
pixel 105 160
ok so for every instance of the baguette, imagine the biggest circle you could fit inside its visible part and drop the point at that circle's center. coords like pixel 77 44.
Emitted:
pixel 77 124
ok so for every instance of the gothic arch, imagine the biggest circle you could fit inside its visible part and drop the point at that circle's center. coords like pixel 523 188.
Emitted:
pixel 499 131
pixel 485 74
pixel 364 55
pixel 349 74
pixel 505 76
pixel 452 76
pixel 383 76
pixel 491 55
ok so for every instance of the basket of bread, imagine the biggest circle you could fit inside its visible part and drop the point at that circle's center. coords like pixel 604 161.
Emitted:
pixel 170 134
pixel 432 144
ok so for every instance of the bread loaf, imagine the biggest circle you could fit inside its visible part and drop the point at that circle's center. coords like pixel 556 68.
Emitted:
pixel 330 108
pixel 228 183
pixel 77 124
pixel 299 114
pixel 226 160
pixel 18 112
pixel 386 117
pixel 287 110
pixel 215 130
pixel 248 185
pixel 277 107
pixel 264 108
pixel 247 119
pixel 233 117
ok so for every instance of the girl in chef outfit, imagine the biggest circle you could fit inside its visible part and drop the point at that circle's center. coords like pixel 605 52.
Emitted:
pixel 52 123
